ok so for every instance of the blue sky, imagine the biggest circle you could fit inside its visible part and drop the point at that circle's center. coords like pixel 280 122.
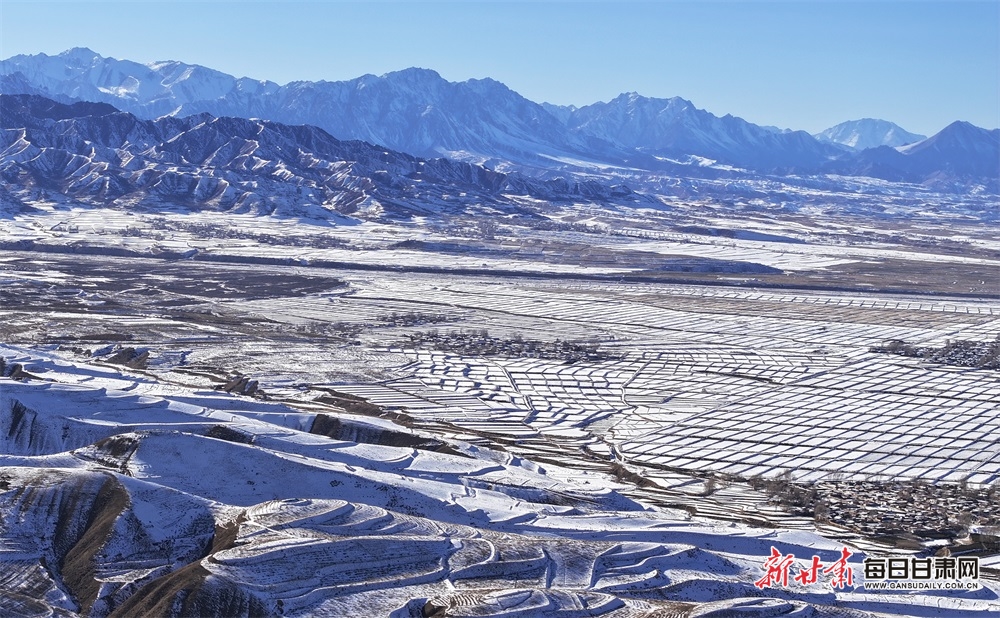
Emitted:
pixel 803 65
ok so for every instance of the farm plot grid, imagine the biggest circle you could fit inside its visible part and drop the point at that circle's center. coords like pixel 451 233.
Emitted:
pixel 690 378
pixel 699 391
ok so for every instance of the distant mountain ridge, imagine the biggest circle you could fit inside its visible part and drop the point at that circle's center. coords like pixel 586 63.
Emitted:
pixel 155 89
pixel 958 154
pixel 484 122
pixel 675 127
pixel 93 153
pixel 868 133
pixel 413 110
pixel 419 112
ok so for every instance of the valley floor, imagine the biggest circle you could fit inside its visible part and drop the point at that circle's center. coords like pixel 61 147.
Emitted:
pixel 559 424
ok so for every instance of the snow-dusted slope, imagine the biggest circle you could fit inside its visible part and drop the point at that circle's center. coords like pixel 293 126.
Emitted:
pixel 868 133
pixel 155 89
pixel 199 503
pixel 418 111
pixel 676 127
pixel 959 139
pixel 958 156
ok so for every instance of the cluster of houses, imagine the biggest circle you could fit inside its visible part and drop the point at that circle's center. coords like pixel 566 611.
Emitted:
pixel 960 353
pixel 478 342
pixel 908 508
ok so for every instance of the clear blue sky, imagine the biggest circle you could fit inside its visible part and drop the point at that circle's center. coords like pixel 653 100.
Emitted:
pixel 803 65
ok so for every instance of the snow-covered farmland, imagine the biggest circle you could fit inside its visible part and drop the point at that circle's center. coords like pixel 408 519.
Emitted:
pixel 737 393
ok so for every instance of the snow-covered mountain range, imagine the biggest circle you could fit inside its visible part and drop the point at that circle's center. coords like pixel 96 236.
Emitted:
pixel 959 152
pixel 94 153
pixel 675 127
pixel 482 121
pixel 413 110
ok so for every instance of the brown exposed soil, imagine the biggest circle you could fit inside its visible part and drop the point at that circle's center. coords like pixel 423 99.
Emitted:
pixel 77 567
pixel 189 592
pixel 229 434
pixel 340 429
pixel 114 452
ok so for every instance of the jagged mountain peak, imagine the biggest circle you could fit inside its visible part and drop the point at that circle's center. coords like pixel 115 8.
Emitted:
pixel 418 111
pixel 571 108
pixel 174 72
pixel 413 74
pixel 635 99
pixel 675 127
pixel 488 85
pixel 488 89
pixel 80 54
